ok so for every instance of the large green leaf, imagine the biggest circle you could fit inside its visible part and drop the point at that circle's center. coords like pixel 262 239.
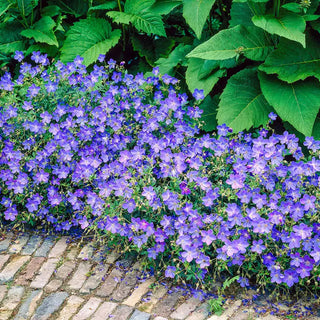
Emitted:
pixel 165 6
pixel 242 12
pixel 316 129
pixel 195 79
pixel 250 41
pixel 298 102
pixel 176 57
pixel 209 116
pixel 152 49
pixel 291 62
pixel 10 38
pixel 89 38
pixel 138 13
pixel 196 13
pixel 242 103
pixel 288 25
pixel 42 31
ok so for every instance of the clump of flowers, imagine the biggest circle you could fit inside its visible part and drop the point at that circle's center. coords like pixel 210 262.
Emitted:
pixel 122 155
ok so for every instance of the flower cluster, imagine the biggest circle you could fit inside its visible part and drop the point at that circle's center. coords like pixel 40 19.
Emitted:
pixel 123 155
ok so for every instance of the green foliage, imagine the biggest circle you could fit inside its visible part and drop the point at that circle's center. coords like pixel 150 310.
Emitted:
pixel 139 15
pixel 205 44
pixel 42 31
pixel 297 103
pixel 196 13
pixel 215 305
pixel 92 37
pixel 242 103
pixel 276 38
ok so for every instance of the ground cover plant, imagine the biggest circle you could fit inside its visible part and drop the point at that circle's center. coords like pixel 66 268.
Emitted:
pixel 122 156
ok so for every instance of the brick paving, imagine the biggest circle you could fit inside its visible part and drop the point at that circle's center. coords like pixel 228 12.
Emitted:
pixel 43 278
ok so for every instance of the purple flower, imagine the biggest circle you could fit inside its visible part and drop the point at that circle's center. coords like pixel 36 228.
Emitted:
pixel 170 272
pixel 198 94
pixel 19 56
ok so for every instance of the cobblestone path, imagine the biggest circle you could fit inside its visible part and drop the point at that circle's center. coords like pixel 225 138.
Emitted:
pixel 47 278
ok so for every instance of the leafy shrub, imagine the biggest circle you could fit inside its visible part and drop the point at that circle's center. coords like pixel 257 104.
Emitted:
pixel 120 155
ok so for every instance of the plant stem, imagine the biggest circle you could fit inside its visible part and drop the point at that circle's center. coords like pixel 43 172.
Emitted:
pixel 276 7
pixel 123 29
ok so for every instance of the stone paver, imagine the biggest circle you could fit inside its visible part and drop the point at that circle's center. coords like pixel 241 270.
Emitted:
pixel 45 273
pixel 12 268
pixel 127 284
pixel 247 314
pixel 104 311
pixel 33 244
pixel 153 299
pixel 12 299
pixel 166 306
pixel 88 309
pixel 3 259
pixel 95 279
pixel 136 295
pixel 65 270
pixel 18 244
pixel 86 252
pixel 185 309
pixel 80 276
pixel 49 305
pixel 43 250
pixel 4 244
pixel 110 283
pixel 3 291
pixel 201 313
pixel 112 257
pixel 53 285
pixel 28 307
pixel 138 315
pixel 27 274
pixel 71 307
pixel 72 253
pixel 121 313
pixel 59 248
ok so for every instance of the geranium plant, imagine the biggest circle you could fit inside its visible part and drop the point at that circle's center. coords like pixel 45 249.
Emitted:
pixel 123 156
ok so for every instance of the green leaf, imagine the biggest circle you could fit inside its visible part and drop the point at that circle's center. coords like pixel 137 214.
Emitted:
pixel 291 62
pixel 89 38
pixel 311 17
pixel 242 104
pixel 194 80
pixel 52 51
pixel 10 38
pixel 105 6
pixel 288 25
pixel 208 66
pixel 26 6
pixel 298 102
pixel 293 7
pixel 137 13
pixel 209 116
pixel 50 11
pixel 196 13
pixel 164 7
pixel 42 31
pixel 4 6
pixel 177 56
pixel 151 49
pixel 242 13
pixel 226 44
